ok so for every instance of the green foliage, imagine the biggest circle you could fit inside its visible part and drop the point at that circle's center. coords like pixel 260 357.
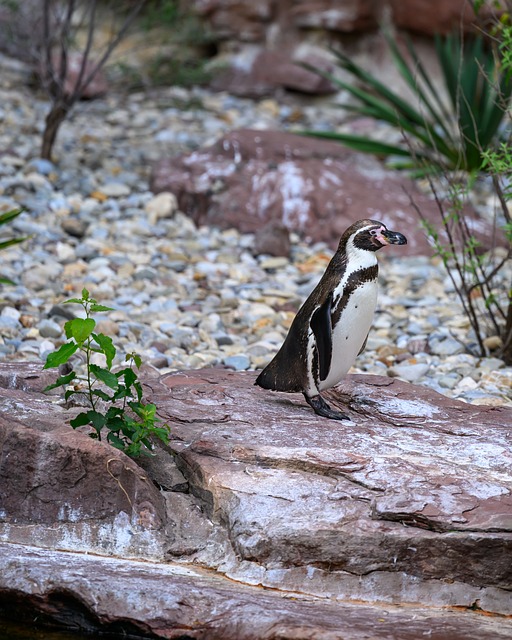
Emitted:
pixel 129 422
pixel 160 13
pixel 435 134
pixel 5 218
pixel 183 51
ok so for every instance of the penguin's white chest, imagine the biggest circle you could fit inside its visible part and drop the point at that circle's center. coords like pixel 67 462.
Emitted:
pixel 350 331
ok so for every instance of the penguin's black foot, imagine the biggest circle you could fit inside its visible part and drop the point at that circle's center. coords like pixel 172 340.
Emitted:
pixel 321 408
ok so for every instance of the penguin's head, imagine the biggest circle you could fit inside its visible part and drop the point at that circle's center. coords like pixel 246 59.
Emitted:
pixel 373 235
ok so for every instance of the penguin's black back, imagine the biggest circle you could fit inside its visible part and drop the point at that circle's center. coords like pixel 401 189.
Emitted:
pixel 288 370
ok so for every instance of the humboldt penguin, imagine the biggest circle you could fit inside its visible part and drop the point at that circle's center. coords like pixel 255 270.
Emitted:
pixel 331 328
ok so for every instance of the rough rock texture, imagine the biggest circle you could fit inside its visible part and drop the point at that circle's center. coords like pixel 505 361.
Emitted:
pixel 314 187
pixel 408 504
pixel 248 34
pixel 173 601
pixel 61 489
pixel 244 20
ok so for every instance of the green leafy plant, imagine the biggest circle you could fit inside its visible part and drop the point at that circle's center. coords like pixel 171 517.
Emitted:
pixel 481 278
pixel 478 276
pixel 129 422
pixel 436 134
pixel 5 218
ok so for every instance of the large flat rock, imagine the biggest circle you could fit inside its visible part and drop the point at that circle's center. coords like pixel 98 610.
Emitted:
pixel 410 503
pixel 261 519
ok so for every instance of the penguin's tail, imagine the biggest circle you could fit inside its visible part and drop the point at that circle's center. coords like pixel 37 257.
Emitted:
pixel 269 378
pixel 264 380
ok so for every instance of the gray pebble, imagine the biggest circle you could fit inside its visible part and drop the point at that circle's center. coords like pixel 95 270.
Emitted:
pixel 409 372
pixel 49 329
pixel 446 347
pixel 240 362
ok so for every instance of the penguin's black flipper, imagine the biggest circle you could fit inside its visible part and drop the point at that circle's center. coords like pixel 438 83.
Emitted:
pixel 322 328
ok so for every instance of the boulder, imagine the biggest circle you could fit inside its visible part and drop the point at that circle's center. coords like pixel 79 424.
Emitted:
pixel 314 187
pixel 342 523
pixel 61 489
pixel 263 72
pixel 409 503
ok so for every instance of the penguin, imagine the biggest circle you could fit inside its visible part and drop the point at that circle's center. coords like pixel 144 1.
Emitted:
pixel 331 328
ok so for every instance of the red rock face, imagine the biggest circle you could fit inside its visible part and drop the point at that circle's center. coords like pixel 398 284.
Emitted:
pixel 314 187
pixel 435 16
pixel 245 20
pixel 409 503
pixel 60 488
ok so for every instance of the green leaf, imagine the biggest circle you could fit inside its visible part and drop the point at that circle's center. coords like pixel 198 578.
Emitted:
pixel 122 392
pixel 101 394
pixel 97 308
pixel 61 356
pixel 105 376
pixel 8 243
pixel 94 418
pixel 129 376
pixel 116 441
pixel 136 359
pixel 85 295
pixel 61 381
pixel 10 215
pixel 79 329
pixel 107 347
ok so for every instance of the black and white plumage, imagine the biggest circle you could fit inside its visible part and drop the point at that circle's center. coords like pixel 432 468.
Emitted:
pixel 331 328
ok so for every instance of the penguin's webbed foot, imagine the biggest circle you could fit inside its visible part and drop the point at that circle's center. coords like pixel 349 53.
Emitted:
pixel 321 408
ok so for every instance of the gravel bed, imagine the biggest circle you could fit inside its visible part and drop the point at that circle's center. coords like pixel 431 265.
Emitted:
pixel 187 297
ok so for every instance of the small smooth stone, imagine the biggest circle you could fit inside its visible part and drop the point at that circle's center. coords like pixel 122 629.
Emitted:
pixel 239 363
pixel 12 313
pixel 223 339
pixel 493 343
pixel 409 372
pixel 447 347
pixel 449 381
pixel 115 189
pixel 107 327
pixel 74 227
pixel 163 205
pixel 49 329
pixel 145 273
pixel 159 361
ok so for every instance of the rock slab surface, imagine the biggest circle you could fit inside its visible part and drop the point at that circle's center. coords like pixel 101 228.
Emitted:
pixel 408 504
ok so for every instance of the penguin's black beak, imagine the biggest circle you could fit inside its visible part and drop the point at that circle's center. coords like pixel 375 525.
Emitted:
pixel 392 237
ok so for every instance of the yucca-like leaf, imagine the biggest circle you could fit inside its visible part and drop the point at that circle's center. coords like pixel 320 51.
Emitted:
pixel 362 143
pixel 458 131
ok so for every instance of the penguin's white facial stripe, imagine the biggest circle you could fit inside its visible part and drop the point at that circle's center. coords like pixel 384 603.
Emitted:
pixel 357 256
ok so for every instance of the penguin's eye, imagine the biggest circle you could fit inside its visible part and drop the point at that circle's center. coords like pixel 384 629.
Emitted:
pixel 374 232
